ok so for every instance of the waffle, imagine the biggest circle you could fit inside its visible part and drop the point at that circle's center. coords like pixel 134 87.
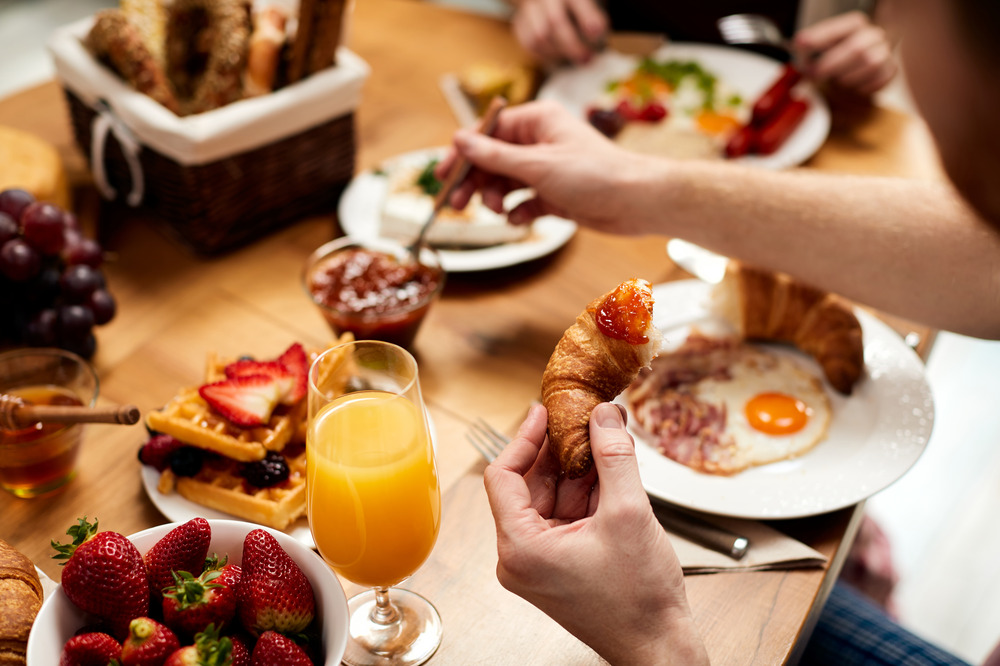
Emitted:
pixel 189 418
pixel 219 486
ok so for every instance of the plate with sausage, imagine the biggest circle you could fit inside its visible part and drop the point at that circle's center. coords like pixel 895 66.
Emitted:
pixel 698 101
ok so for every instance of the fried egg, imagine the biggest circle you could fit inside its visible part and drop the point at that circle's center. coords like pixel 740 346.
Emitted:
pixel 723 406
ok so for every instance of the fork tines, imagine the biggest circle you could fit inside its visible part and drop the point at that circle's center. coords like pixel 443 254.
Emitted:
pixel 486 439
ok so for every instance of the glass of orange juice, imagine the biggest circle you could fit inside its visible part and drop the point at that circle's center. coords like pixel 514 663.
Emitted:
pixel 374 500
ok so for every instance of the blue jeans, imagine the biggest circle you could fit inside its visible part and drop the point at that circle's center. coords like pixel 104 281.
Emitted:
pixel 852 631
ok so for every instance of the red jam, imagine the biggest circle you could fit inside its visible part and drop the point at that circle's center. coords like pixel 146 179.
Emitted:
pixel 626 313
pixel 373 294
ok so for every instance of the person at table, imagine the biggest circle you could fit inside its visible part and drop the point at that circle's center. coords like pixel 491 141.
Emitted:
pixel 840 44
pixel 590 554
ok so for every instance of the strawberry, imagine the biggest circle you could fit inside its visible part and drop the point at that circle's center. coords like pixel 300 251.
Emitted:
pixel 241 650
pixel 157 450
pixel 91 649
pixel 296 362
pixel 182 549
pixel 149 643
pixel 194 603
pixel 273 592
pixel 291 370
pixel 247 400
pixel 274 648
pixel 208 650
pixel 104 574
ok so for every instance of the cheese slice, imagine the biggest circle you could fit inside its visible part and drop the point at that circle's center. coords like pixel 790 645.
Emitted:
pixel 407 207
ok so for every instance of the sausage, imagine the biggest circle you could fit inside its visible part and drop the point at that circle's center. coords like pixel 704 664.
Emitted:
pixel 775 97
pixel 742 142
pixel 780 127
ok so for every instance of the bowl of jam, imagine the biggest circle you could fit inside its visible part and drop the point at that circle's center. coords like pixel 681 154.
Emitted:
pixel 373 287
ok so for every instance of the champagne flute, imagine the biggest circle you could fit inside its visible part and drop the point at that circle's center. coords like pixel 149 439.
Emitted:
pixel 374 499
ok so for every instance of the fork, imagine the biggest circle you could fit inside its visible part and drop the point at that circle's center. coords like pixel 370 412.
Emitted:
pixel 752 29
pixel 490 442
pixel 486 439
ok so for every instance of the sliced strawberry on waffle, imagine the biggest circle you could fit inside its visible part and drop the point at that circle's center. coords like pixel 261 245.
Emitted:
pixel 289 370
pixel 246 400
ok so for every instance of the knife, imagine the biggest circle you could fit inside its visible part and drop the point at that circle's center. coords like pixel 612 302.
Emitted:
pixel 701 531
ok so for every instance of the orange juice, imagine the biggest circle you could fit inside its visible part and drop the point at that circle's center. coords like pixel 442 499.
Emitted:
pixel 374 500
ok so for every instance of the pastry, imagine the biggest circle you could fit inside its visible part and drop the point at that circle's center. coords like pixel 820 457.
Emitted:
pixel 775 307
pixel 115 40
pixel 264 53
pixel 21 597
pixel 29 163
pixel 597 358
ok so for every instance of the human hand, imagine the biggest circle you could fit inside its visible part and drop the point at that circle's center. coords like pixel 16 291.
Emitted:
pixel 553 30
pixel 589 552
pixel 575 171
pixel 849 51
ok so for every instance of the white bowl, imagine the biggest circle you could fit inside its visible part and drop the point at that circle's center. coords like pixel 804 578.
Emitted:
pixel 59 619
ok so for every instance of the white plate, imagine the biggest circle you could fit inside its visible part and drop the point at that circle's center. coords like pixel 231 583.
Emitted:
pixel 875 435
pixel 360 212
pixel 748 73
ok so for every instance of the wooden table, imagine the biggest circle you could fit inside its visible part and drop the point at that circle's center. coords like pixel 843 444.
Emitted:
pixel 481 351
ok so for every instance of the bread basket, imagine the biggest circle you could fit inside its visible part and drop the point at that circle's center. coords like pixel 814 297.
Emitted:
pixel 225 177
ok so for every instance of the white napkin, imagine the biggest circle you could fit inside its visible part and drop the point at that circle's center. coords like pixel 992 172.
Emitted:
pixel 769 550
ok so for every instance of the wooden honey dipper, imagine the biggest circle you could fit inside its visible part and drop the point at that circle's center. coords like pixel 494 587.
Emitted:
pixel 16 414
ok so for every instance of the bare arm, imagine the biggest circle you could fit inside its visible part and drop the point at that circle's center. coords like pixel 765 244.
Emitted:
pixel 906 247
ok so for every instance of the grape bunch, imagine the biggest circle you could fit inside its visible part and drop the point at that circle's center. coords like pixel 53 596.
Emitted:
pixel 52 290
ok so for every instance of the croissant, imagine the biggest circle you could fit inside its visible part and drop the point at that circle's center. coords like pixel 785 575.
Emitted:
pixel 20 598
pixel 773 306
pixel 595 360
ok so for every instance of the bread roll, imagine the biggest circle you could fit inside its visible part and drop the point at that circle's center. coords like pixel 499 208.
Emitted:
pixel 20 598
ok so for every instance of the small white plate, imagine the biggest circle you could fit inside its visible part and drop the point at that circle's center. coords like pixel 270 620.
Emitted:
pixel 360 213
pixel 875 436
pixel 748 73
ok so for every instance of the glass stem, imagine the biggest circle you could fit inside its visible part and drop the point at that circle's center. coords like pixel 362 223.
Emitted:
pixel 383 613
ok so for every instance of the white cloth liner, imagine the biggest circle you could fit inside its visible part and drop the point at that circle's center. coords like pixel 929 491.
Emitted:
pixel 207 137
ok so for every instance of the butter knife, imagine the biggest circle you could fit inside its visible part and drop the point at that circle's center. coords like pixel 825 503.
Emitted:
pixel 701 531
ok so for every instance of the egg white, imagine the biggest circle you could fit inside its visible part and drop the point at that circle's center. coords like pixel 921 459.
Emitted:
pixel 754 371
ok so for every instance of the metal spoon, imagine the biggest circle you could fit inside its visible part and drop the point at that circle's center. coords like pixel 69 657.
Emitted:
pixel 459 170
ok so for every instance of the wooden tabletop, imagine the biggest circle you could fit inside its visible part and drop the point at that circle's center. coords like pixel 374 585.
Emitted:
pixel 481 351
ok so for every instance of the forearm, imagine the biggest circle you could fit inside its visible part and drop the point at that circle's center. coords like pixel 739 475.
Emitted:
pixel 911 248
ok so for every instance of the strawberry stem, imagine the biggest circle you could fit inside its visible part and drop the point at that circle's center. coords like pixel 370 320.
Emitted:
pixel 81 533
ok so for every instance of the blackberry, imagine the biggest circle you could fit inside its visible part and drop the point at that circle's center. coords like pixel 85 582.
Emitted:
pixel 270 471
pixel 186 461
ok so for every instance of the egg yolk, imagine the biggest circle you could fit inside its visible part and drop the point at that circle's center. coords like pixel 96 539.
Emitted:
pixel 711 122
pixel 776 413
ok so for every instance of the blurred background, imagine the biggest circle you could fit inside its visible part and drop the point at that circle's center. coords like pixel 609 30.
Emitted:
pixel 940 518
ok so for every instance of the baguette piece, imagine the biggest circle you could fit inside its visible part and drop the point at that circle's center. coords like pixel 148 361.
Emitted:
pixel 20 599
pixel 768 306
pixel 597 358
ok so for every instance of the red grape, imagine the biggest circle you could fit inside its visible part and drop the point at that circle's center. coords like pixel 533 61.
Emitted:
pixel 81 250
pixel 79 282
pixel 75 322
pixel 41 329
pixel 8 228
pixel 102 304
pixel 19 261
pixel 42 226
pixel 13 202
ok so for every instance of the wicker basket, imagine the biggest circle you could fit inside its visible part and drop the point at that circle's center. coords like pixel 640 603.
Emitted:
pixel 262 164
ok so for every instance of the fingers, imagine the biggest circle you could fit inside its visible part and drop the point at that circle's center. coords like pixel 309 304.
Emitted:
pixel 614 457
pixel 824 35
pixel 852 52
pixel 559 29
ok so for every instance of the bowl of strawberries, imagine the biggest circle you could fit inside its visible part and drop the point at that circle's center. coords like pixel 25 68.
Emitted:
pixel 203 591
